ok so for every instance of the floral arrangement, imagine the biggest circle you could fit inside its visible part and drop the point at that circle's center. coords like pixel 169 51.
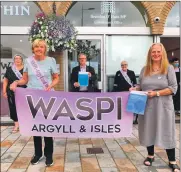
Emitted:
pixel 87 48
pixel 57 31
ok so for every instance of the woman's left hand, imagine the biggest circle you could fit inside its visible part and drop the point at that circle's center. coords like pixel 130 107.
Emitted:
pixel 151 94
pixel 48 88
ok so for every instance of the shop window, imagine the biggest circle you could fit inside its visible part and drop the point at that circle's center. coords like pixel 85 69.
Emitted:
pixel 133 49
pixel 107 14
pixel 11 45
pixel 18 13
pixel 173 19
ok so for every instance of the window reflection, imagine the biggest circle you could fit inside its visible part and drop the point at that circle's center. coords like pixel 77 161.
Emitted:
pixel 107 14
pixel 133 49
pixel 173 19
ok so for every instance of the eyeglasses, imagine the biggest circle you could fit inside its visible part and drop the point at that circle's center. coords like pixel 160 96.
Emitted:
pixel 124 64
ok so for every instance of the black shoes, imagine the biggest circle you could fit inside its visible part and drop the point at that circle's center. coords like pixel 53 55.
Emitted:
pixel 49 161
pixel 36 159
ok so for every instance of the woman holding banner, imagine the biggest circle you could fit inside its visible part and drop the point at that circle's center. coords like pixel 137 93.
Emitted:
pixel 40 72
pixel 157 125
pixel 13 73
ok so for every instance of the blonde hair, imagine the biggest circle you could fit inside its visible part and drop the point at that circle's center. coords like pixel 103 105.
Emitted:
pixel 149 62
pixel 37 42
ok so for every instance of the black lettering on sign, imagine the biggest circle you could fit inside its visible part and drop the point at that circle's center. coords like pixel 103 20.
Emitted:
pixel 34 128
pixel 117 128
pixel 119 115
pixel 85 108
pixel 64 106
pixel 101 111
pixel 50 128
pixel 42 127
pixel 40 105
pixel 5 66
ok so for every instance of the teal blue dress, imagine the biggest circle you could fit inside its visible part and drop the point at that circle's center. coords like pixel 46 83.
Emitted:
pixel 47 66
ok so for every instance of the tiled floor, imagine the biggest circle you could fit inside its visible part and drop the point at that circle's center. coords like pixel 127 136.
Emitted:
pixel 70 155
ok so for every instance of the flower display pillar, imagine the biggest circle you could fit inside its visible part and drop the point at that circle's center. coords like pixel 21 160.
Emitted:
pixel 58 55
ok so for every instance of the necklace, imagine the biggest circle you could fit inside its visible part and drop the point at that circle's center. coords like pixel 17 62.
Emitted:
pixel 156 69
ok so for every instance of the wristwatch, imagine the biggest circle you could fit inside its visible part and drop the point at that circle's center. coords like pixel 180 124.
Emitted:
pixel 157 94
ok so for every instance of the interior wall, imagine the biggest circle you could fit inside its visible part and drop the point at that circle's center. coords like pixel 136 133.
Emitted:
pixel 172 46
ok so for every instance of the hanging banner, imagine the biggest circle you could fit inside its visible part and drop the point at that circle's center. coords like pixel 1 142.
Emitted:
pixel 73 115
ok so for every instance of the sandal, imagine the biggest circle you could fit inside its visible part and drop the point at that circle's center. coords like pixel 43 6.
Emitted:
pixel 174 167
pixel 150 160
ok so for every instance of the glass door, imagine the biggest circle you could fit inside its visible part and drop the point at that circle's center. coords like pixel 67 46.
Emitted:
pixel 92 47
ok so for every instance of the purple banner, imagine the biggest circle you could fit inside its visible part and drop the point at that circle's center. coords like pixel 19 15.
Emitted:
pixel 73 115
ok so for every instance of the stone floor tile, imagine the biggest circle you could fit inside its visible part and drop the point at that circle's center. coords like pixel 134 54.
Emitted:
pixel 73 167
pixel 3 128
pixel 58 164
pixel 117 153
pixel 72 141
pixel 20 163
pixel 27 152
pixel 143 168
pixel 90 165
pixel 3 150
pixel 72 147
pixel 59 150
pixel 72 157
pixel 98 142
pixel 128 148
pixel 59 142
pixel 16 170
pixel 7 143
pixel 109 170
pixel 15 149
pixel 40 167
pixel 83 148
pixel 136 158
pixel 5 166
pixel 85 141
pixel 112 145
pixel 125 165
pixel 106 161
pixel 9 157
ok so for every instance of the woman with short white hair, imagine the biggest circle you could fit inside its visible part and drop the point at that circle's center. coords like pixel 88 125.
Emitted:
pixel 13 73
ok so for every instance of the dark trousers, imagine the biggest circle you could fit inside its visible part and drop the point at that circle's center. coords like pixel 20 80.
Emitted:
pixel 170 152
pixel 12 107
pixel 176 100
pixel 48 150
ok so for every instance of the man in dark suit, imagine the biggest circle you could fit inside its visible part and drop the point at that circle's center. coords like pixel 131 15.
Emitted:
pixel 124 79
pixel 83 68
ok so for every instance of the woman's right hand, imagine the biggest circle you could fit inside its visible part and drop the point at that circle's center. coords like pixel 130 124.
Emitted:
pixel 5 95
pixel 132 89
pixel 13 86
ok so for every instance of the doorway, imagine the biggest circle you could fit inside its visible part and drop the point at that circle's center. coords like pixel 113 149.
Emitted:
pixel 92 46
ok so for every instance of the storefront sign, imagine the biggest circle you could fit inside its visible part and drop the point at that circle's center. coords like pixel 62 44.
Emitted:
pixel 108 15
pixel 17 10
pixel 5 63
pixel 72 115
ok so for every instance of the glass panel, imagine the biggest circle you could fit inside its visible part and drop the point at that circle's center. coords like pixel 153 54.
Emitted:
pixel 92 48
pixel 107 13
pixel 133 49
pixel 18 13
pixel 173 19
